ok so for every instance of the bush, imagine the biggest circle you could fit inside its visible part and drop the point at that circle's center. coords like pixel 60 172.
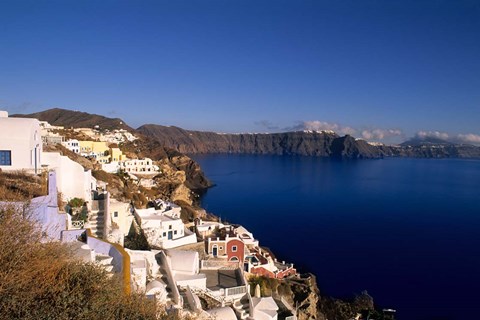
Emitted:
pixel 41 280
pixel 76 202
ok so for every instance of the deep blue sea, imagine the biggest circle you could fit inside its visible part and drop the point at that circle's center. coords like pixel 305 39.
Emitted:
pixel 405 230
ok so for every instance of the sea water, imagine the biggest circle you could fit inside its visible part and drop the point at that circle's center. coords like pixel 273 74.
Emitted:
pixel 405 230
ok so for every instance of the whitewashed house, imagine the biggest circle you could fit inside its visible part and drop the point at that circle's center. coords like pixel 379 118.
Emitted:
pixel 73 181
pixel 164 228
pixel 185 266
pixel 72 145
pixel 20 143
pixel 121 215
pixel 140 166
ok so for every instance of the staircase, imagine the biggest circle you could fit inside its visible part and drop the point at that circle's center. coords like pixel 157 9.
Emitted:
pixel 96 221
pixel 186 305
pixel 105 262
pixel 96 216
pixel 164 278
pixel 242 308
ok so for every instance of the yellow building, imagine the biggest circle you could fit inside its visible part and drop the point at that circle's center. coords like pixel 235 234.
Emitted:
pixel 100 151
pixel 93 147
pixel 116 154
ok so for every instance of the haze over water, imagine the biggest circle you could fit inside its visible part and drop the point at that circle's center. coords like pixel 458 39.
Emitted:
pixel 405 230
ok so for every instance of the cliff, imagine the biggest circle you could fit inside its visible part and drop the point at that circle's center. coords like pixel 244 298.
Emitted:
pixel 432 151
pixel 301 295
pixel 304 143
pixel 320 144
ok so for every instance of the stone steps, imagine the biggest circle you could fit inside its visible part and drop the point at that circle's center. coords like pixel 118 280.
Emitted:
pixel 242 308
pixel 105 262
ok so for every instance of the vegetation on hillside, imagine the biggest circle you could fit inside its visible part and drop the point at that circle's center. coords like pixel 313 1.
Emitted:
pixel 42 281
pixel 21 186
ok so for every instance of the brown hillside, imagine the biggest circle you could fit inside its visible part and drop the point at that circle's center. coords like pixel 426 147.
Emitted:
pixel 76 119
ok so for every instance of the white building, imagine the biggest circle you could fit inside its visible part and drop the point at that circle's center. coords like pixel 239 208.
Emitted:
pixel 140 166
pixel 121 215
pixel 111 167
pixel 72 145
pixel 185 266
pixel 20 143
pixel 73 181
pixel 206 228
pixel 164 228
pixel 264 308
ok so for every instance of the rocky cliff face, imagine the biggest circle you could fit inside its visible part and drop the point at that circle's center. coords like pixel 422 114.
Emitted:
pixel 302 294
pixel 321 144
pixel 432 151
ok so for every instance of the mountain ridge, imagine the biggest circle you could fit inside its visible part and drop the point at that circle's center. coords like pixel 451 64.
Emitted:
pixel 76 119
pixel 304 143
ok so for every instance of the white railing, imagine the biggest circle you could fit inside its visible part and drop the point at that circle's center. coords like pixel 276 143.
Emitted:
pixel 235 291
pixel 79 224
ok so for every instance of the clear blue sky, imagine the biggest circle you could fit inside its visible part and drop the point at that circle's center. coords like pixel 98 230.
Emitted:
pixel 249 66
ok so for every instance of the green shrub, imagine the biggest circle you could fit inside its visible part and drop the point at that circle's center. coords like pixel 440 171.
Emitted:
pixel 76 202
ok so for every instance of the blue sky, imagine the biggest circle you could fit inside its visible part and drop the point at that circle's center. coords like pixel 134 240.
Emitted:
pixel 385 70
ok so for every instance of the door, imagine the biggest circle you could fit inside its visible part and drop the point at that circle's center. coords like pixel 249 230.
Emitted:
pixel 215 251
pixel 170 235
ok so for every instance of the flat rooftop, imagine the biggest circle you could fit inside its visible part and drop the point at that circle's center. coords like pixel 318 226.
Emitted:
pixel 222 278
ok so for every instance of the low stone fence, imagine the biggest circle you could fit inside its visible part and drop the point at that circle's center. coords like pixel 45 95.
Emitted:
pixel 71 235
pixel 219 264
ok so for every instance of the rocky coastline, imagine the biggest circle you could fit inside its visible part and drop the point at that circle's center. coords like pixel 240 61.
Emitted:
pixel 182 181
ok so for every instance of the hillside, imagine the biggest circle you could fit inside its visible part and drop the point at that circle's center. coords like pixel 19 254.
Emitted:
pixel 144 146
pixel 76 119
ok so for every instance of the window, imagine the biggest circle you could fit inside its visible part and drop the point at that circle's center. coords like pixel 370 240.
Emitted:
pixel 5 158
pixel 170 227
pixel 175 232
pixel 164 234
pixel 115 214
pixel 221 248
pixel 234 248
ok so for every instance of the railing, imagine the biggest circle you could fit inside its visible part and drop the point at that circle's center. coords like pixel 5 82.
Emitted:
pixel 79 224
pixel 235 291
